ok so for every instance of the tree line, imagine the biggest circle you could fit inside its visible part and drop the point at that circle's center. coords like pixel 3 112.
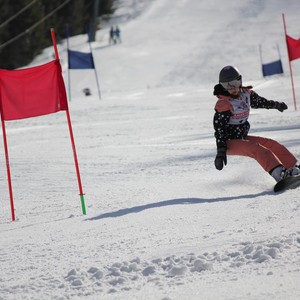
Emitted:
pixel 25 25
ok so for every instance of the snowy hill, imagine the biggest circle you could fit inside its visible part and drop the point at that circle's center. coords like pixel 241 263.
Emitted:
pixel 162 222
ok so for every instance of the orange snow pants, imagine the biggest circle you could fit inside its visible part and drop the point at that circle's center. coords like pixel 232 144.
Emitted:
pixel 268 153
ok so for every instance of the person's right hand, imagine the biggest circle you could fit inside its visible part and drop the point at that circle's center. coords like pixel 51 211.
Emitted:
pixel 221 159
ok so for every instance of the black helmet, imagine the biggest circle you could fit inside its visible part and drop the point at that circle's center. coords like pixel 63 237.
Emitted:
pixel 231 75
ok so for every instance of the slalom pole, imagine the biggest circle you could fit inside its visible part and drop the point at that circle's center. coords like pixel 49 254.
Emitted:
pixel 7 167
pixel 278 51
pixel 261 60
pixel 69 82
pixel 98 86
pixel 96 75
pixel 81 194
pixel 290 65
pixel 69 79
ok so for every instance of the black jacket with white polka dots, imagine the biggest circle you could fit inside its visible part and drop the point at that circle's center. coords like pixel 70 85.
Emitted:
pixel 224 129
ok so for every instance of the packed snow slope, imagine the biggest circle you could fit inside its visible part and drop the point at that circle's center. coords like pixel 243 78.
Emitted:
pixel 161 222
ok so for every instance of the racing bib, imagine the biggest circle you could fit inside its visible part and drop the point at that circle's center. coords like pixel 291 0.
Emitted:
pixel 240 109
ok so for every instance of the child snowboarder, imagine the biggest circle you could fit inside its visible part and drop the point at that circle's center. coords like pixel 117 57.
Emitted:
pixel 231 127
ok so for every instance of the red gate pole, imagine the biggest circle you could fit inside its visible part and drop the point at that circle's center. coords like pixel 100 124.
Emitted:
pixel 290 65
pixel 12 208
pixel 71 136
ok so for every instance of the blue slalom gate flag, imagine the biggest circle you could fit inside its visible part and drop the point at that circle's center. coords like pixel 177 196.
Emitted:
pixel 80 60
pixel 272 68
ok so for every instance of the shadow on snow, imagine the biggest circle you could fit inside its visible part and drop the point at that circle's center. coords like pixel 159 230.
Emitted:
pixel 180 201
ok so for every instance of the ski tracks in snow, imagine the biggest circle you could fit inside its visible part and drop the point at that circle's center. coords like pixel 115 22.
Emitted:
pixel 173 270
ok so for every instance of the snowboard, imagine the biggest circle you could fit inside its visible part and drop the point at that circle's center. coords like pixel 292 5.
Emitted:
pixel 287 183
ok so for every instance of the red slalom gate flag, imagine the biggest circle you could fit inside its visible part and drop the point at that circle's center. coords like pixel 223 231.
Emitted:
pixel 293 48
pixel 32 92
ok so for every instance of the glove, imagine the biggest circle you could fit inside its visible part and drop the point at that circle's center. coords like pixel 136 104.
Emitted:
pixel 219 90
pixel 221 159
pixel 281 106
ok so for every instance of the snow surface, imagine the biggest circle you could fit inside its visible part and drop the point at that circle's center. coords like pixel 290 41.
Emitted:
pixel 162 222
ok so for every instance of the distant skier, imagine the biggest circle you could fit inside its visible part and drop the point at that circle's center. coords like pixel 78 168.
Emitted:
pixel 111 36
pixel 118 35
pixel 231 127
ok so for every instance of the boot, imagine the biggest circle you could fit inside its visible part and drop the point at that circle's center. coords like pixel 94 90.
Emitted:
pixel 280 172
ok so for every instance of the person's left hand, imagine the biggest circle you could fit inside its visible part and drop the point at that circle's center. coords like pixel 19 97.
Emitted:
pixel 281 106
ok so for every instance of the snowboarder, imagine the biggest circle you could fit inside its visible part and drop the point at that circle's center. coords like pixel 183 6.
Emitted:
pixel 231 127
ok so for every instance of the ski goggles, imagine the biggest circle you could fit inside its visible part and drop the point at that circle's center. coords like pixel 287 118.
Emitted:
pixel 233 84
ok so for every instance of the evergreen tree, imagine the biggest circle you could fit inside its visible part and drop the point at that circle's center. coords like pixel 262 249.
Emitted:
pixel 26 44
